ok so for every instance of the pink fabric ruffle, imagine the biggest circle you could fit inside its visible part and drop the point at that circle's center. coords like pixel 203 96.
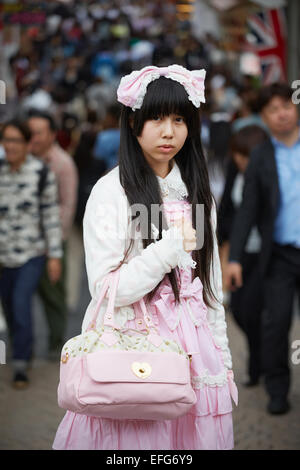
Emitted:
pixel 80 432
pixel 212 400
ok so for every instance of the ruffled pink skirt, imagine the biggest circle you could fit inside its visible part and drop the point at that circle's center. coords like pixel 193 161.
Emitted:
pixel 79 432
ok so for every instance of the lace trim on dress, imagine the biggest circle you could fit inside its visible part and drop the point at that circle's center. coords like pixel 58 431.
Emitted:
pixel 205 379
pixel 173 182
pixel 177 186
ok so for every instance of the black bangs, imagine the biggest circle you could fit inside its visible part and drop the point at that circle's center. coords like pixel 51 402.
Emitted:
pixel 164 97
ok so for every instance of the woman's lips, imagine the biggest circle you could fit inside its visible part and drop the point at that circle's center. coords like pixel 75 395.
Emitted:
pixel 166 148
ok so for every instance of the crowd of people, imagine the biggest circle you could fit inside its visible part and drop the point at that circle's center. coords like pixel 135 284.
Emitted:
pixel 71 66
pixel 59 135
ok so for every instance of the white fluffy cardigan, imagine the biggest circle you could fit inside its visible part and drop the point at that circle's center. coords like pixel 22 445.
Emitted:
pixel 106 239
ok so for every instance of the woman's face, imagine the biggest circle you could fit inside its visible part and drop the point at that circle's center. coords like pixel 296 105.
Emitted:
pixel 162 138
pixel 15 145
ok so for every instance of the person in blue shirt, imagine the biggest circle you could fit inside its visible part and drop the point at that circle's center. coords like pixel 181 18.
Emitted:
pixel 108 140
pixel 271 200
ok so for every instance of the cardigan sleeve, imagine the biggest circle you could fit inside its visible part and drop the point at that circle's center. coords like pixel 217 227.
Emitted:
pixel 105 234
pixel 216 313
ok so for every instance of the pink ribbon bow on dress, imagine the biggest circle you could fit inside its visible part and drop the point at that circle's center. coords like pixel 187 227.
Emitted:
pixel 133 87
pixel 232 387
pixel 194 302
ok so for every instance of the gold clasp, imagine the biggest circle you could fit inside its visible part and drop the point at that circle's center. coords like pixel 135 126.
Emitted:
pixel 65 358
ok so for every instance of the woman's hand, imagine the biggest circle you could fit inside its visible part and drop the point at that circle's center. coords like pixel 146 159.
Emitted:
pixel 189 234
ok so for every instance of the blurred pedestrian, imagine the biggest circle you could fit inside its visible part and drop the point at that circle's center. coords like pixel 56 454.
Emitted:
pixel 218 155
pixel 89 168
pixel 108 140
pixel 45 147
pixel 248 112
pixel 246 303
pixel 30 237
pixel 272 200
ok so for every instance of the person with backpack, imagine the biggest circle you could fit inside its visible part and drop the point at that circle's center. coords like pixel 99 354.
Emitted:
pixel 54 297
pixel 30 238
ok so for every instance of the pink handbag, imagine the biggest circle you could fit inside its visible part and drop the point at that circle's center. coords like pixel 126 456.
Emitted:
pixel 110 374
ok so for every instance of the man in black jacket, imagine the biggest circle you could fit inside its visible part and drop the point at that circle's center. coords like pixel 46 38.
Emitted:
pixel 271 200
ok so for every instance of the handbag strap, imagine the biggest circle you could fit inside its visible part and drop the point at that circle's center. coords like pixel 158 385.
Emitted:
pixel 114 276
pixel 143 317
pixel 108 319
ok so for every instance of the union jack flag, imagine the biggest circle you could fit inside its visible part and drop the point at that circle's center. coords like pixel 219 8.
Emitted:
pixel 268 40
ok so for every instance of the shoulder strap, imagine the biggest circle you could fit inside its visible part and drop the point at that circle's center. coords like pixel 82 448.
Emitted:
pixel 43 178
pixel 111 279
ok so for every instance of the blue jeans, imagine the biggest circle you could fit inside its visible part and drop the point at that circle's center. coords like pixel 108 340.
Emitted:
pixel 17 286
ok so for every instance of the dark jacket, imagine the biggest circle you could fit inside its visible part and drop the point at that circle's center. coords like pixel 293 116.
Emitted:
pixel 259 206
pixel 227 210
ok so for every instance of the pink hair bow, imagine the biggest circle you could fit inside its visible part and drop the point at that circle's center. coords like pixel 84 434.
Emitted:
pixel 133 87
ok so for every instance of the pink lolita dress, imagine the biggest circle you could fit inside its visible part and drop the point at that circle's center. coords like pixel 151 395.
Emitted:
pixel 208 424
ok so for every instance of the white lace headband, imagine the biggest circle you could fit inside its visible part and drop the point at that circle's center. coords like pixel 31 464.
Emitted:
pixel 133 87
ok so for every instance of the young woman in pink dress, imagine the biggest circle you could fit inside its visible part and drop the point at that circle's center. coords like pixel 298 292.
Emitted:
pixel 161 164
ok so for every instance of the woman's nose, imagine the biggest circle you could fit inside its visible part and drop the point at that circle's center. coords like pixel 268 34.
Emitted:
pixel 167 128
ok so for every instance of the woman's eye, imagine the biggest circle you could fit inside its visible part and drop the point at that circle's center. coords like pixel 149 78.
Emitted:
pixel 156 118
pixel 179 119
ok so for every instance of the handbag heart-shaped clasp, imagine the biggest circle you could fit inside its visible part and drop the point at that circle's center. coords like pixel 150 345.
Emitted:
pixel 141 369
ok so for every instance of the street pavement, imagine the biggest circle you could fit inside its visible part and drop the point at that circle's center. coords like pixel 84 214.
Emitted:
pixel 29 418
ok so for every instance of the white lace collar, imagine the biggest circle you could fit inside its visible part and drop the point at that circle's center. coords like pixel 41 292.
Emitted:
pixel 172 186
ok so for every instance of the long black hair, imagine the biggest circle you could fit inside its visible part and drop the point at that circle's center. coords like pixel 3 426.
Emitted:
pixel 164 97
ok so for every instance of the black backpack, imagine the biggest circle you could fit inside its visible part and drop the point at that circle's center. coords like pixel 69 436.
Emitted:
pixel 43 178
